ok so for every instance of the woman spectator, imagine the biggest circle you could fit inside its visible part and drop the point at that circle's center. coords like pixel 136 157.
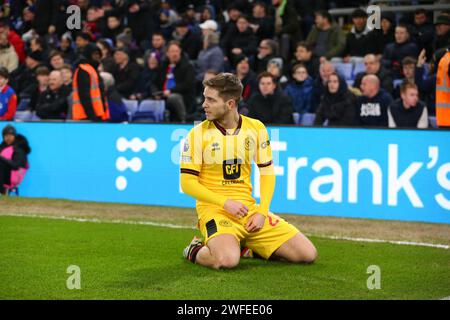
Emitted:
pixel 338 104
pixel 300 89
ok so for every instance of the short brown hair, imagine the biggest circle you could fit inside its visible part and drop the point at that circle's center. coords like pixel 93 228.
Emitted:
pixel 407 85
pixel 42 71
pixel 267 74
pixel 408 61
pixel 227 84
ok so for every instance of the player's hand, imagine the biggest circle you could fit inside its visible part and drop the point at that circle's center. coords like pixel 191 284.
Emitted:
pixel 236 208
pixel 255 223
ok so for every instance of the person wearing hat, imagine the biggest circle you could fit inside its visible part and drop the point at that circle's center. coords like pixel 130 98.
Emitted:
pixel 126 72
pixel 14 150
pixel 211 57
pixel 88 94
pixel 23 79
pixel 357 40
pixel 8 98
pixel 442 26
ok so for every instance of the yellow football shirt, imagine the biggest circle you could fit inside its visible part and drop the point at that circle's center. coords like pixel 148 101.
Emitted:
pixel 222 159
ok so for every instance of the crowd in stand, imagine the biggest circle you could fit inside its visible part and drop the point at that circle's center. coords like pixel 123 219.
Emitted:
pixel 288 54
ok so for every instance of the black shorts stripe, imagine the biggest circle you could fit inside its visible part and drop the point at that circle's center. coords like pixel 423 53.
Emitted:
pixel 265 164
pixel 211 227
pixel 190 171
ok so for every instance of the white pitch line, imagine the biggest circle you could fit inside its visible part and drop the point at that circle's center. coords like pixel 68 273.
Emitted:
pixel 446 298
pixel 174 226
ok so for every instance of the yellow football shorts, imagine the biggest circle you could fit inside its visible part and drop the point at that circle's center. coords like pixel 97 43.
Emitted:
pixel 276 231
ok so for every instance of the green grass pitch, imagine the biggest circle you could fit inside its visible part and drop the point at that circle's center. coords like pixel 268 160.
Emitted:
pixel 124 261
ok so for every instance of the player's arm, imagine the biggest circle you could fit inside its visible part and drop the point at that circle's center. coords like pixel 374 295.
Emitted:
pixel 191 186
pixel 263 158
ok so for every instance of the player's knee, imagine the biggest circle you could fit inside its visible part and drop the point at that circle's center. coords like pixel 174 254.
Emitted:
pixel 227 261
pixel 310 255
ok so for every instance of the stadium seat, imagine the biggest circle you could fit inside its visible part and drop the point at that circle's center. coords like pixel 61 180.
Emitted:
pixel 296 118
pixel 397 83
pixel 432 122
pixel 350 83
pixel 358 68
pixel 344 69
pixel 150 111
pixel 23 104
pixel 307 119
pixel 131 106
pixel 23 115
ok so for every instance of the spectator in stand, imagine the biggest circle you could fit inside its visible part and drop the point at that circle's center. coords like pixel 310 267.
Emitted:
pixel 240 40
pixel 248 79
pixel 263 26
pixel 270 105
pixel 145 83
pixel 88 95
pixel 81 41
pixel 65 46
pixel 373 66
pixel 287 26
pixel 408 111
pixel 167 20
pixel 67 74
pixel 190 42
pixel 275 68
pixel 24 77
pixel 442 25
pixel 52 103
pixel 304 54
pixel 158 46
pixel 325 70
pixel 373 104
pixel 139 18
pixel 13 38
pixel 326 37
pixel 380 38
pixel 300 89
pixel 408 72
pixel 28 16
pixel 56 60
pixel 211 57
pixel 8 56
pixel 426 83
pixel 395 52
pixel 107 62
pixel 117 109
pixel 176 81
pixel 126 72
pixel 357 40
pixel 8 98
pixel 338 104
pixel 42 79
pixel 422 31
pixel 113 27
pixel 233 14
pixel 267 50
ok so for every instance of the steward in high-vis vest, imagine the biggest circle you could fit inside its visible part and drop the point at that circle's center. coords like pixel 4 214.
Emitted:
pixel 88 95
pixel 443 92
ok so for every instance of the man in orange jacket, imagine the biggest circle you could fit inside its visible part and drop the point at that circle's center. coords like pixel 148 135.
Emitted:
pixel 88 94
pixel 443 91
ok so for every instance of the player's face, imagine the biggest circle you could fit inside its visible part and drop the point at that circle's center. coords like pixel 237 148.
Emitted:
pixel 214 106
